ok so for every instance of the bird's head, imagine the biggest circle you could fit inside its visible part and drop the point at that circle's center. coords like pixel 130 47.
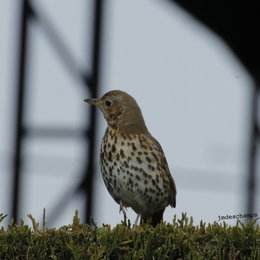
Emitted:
pixel 120 111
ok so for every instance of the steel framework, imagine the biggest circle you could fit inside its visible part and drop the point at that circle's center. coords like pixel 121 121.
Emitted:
pixel 89 79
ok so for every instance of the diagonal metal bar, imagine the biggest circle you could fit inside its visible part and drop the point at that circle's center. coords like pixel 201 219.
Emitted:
pixel 60 47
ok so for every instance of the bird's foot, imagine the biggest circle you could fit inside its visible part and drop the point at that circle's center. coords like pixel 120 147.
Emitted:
pixel 122 208
pixel 136 220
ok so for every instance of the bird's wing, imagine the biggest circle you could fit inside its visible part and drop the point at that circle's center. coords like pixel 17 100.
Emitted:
pixel 164 164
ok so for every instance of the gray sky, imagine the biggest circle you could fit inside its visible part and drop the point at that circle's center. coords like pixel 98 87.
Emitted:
pixel 191 89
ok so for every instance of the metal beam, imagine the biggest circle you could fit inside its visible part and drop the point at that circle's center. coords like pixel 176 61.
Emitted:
pixel 95 84
pixel 20 108
pixel 252 154
pixel 90 80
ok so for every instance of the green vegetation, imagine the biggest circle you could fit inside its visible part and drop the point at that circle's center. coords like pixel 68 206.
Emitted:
pixel 178 240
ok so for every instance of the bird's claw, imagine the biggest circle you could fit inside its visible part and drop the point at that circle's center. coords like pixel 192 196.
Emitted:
pixel 122 208
pixel 137 220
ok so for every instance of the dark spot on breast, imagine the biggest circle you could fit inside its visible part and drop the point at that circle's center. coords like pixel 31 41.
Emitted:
pixel 129 158
pixel 122 143
pixel 122 154
pixel 109 145
pixel 151 167
pixel 130 182
pixel 110 171
pixel 117 156
pixel 151 190
pixel 110 156
pixel 156 148
pixel 115 163
pixel 148 159
pixel 125 164
pixel 134 168
pixel 158 188
pixel 140 153
pixel 133 146
pixel 155 156
pixel 139 160
pixel 113 149
pixel 143 173
pixel 137 177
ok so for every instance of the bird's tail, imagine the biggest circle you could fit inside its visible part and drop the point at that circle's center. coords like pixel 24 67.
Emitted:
pixel 155 219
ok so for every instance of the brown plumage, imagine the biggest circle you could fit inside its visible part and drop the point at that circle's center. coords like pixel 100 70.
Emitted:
pixel 133 164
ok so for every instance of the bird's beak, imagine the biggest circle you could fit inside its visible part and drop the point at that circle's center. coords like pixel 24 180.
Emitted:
pixel 92 101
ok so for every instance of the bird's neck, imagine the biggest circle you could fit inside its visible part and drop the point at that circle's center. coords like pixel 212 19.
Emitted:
pixel 129 122
pixel 132 122
pixel 128 126
pixel 132 128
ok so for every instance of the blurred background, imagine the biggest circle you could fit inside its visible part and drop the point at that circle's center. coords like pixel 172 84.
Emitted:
pixel 194 70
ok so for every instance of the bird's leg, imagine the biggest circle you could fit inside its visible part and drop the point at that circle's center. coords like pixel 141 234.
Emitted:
pixel 123 209
pixel 136 220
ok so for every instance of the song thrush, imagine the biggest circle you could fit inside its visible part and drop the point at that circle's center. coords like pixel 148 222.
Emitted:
pixel 133 164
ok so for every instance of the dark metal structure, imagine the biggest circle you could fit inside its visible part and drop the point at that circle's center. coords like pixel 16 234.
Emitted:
pixel 237 23
pixel 89 79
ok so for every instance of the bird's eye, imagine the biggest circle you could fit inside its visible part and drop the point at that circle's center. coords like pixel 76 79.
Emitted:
pixel 108 103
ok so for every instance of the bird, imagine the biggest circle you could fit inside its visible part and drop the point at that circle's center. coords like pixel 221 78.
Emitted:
pixel 133 165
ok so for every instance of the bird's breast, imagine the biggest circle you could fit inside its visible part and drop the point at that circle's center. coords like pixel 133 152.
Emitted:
pixel 132 172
